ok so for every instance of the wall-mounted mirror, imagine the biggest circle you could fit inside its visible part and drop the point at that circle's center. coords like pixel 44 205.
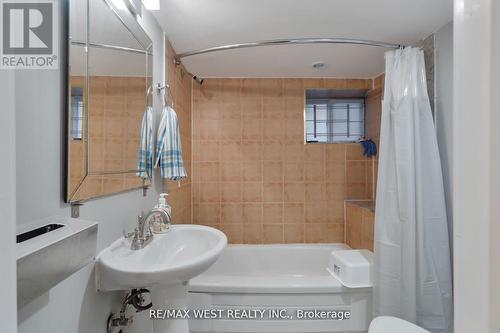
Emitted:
pixel 110 70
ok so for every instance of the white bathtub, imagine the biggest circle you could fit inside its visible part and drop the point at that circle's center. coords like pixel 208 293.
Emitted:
pixel 291 277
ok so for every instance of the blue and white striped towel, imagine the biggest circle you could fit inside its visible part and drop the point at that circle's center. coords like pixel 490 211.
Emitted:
pixel 168 146
pixel 145 162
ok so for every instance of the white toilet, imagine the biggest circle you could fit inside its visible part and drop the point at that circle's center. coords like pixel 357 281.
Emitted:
pixel 385 324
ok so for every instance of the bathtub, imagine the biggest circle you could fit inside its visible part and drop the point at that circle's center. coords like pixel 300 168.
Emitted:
pixel 282 279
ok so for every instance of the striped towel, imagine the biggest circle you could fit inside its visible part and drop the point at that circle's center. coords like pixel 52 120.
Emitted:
pixel 145 163
pixel 168 146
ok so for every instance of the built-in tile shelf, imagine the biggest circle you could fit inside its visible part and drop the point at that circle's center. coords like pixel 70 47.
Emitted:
pixel 360 224
pixel 47 254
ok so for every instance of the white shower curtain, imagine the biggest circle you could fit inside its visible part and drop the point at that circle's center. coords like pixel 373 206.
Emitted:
pixel 412 265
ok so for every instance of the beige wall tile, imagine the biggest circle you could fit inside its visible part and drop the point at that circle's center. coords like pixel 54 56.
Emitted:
pixel 335 192
pixel 315 212
pixel 116 106
pixel 272 151
pixel 272 187
pixel 230 129
pixel 314 171
pixel 273 213
pixel 294 152
pixel 230 109
pixel 335 152
pixel 336 171
pixel 315 192
pixel 294 107
pixel 252 129
pixel 273 130
pixel 251 108
pixel 210 192
pixel 367 229
pixel 335 232
pixel 354 152
pixel 335 84
pixel 231 213
pixel 316 233
pixel 252 233
pixel 357 84
pixel 250 151
pixel 231 192
pixel 252 171
pixel 208 171
pixel 273 233
pixel 272 192
pixel 209 129
pixel 315 152
pixel 230 151
pixel 272 108
pixel 335 212
pixel 294 233
pixel 272 171
pixel 294 192
pixel 252 192
pixel 208 151
pixel 293 171
pixel 357 191
pixel 355 172
pixel 294 130
pixel 208 213
pixel 231 171
pixel 233 231
pixel 294 213
pixel 252 213
pixel 359 226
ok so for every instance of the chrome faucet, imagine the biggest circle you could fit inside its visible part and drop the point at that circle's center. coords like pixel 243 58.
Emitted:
pixel 142 234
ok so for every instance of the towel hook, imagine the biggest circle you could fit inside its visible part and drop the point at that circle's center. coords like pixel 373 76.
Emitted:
pixel 168 93
pixel 159 87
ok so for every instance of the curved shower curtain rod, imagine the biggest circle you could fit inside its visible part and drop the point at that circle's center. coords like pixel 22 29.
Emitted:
pixel 177 59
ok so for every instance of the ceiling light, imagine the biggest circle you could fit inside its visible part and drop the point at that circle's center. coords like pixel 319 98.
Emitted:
pixel 151 4
pixel 318 64
pixel 119 4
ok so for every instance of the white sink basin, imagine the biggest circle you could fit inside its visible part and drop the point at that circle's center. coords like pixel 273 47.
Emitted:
pixel 182 253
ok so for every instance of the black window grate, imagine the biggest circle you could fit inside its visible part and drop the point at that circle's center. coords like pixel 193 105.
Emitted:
pixel 334 120
pixel 77 113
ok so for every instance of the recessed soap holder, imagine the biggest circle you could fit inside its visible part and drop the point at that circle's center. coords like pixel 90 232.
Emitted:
pixel 48 251
pixel 37 232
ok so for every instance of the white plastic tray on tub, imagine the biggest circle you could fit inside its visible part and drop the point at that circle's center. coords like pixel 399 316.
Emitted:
pixel 353 268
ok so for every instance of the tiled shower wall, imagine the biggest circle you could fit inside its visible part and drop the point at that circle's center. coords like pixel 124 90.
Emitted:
pixel 253 176
pixel 373 119
pixel 360 224
pixel 374 109
pixel 113 138
pixel 179 193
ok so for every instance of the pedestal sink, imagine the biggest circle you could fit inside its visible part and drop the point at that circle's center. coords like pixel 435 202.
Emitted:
pixel 164 266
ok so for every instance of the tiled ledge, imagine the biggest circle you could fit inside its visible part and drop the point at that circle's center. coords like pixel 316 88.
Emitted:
pixel 367 204
pixel 359 223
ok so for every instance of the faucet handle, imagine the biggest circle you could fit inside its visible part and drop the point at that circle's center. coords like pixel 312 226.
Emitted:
pixel 128 235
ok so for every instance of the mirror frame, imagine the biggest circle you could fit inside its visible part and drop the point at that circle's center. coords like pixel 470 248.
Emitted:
pixel 131 23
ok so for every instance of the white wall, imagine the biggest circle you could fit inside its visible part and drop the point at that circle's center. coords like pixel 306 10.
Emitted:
pixel 8 315
pixel 73 305
pixel 443 52
pixel 494 261
pixel 476 165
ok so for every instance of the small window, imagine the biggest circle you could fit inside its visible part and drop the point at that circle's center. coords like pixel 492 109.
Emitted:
pixel 77 113
pixel 334 120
